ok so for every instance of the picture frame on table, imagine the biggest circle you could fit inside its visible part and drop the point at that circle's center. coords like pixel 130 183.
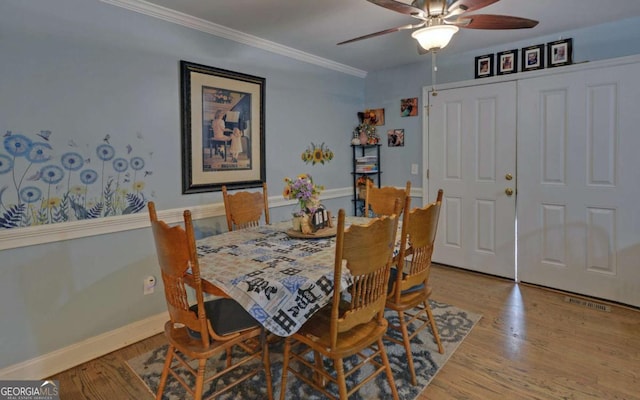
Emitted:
pixel 484 66
pixel 223 129
pixel 507 62
pixel 560 52
pixel 533 58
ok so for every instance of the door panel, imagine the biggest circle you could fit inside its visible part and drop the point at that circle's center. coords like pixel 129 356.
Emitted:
pixel 471 150
pixel 578 182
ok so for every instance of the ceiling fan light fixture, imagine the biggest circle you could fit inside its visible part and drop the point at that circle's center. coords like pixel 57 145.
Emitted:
pixel 434 37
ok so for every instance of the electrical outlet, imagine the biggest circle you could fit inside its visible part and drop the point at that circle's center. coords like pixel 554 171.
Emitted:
pixel 149 284
pixel 414 169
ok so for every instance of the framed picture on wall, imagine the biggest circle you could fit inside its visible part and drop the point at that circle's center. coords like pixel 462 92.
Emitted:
pixel 507 62
pixel 409 107
pixel 395 137
pixel 559 52
pixel 533 57
pixel 374 116
pixel 484 66
pixel 223 134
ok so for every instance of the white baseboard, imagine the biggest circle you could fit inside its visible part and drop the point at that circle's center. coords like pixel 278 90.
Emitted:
pixel 60 360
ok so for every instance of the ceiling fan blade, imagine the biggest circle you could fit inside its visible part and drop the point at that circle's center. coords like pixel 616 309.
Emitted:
pixel 489 21
pixel 390 30
pixel 402 8
pixel 469 5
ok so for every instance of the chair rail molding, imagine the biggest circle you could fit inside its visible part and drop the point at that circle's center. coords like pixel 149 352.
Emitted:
pixel 34 235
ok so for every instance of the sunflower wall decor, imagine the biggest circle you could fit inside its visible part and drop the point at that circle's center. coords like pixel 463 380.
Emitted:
pixel 317 154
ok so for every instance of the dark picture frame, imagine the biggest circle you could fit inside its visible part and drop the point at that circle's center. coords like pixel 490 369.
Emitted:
pixel 560 52
pixel 484 66
pixel 507 62
pixel 223 129
pixel 532 57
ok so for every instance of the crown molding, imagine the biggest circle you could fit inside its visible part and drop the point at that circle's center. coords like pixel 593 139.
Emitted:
pixel 167 14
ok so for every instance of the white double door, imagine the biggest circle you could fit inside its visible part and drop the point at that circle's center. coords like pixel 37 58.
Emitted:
pixel 578 179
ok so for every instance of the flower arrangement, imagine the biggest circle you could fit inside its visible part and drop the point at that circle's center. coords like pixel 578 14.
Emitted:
pixel 317 154
pixel 304 191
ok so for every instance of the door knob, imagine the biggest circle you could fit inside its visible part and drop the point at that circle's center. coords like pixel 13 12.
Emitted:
pixel 508 177
pixel 508 191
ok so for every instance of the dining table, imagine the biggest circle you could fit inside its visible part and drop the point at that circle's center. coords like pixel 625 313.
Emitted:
pixel 279 279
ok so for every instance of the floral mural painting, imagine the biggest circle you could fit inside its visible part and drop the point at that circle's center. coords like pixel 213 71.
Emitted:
pixel 38 186
pixel 317 154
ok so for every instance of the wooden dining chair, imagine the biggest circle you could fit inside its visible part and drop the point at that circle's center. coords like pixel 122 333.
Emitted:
pixel 203 330
pixel 351 326
pixel 245 209
pixel 409 291
pixel 381 201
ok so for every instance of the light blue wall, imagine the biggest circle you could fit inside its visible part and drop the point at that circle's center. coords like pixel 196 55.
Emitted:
pixel 385 88
pixel 84 69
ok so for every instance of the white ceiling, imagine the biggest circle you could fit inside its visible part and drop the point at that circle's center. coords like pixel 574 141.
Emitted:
pixel 315 26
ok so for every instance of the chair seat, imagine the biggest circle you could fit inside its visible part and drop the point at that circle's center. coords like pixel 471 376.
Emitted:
pixel 392 279
pixel 316 331
pixel 226 316
pixel 192 347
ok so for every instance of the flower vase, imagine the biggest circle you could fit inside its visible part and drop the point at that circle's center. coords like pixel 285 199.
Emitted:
pixel 363 138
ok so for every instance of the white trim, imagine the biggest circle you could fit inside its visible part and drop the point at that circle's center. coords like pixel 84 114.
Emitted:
pixel 202 25
pixel 68 357
pixel 33 235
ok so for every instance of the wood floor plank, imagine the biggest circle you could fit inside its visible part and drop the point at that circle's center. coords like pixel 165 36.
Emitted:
pixel 529 345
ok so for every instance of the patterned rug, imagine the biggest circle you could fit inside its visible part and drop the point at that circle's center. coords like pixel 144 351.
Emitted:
pixel 453 324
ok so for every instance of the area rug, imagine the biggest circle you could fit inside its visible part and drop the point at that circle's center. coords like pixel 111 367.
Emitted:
pixel 453 323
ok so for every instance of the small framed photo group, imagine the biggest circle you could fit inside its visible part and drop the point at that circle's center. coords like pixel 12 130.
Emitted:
pixel 531 58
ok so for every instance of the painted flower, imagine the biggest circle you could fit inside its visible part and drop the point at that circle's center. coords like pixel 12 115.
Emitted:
pixel 17 145
pixel 72 161
pixel 138 186
pixel 120 164
pixel 105 152
pixel 30 194
pixel 53 202
pixel 39 153
pixel 77 190
pixel 6 164
pixel 88 176
pixel 137 163
pixel 51 174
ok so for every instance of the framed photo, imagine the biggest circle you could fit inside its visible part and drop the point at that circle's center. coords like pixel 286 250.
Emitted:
pixel 507 62
pixel 559 52
pixel 484 66
pixel 374 116
pixel 533 57
pixel 223 133
pixel 409 107
pixel 395 137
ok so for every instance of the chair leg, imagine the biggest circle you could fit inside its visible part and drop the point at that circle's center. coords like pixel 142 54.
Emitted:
pixel 285 367
pixel 197 395
pixel 407 346
pixel 385 361
pixel 267 363
pixel 317 376
pixel 342 381
pixel 165 372
pixel 434 328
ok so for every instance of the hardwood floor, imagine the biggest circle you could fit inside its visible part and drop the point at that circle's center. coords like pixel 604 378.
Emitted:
pixel 529 344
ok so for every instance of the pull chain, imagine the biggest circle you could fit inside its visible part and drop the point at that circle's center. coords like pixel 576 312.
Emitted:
pixel 434 69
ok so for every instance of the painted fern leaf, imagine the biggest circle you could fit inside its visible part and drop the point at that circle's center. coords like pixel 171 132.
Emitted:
pixel 136 203
pixel 13 216
pixel 95 211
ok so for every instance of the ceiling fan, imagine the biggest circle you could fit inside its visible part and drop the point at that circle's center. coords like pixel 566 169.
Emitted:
pixel 440 20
